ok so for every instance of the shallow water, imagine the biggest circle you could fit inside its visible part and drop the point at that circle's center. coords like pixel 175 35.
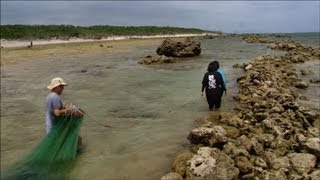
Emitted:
pixel 313 91
pixel 151 108
pixel 312 39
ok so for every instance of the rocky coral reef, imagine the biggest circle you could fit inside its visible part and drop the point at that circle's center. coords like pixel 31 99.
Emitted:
pixel 184 48
pixel 297 52
pixel 256 38
pixel 269 136
pixel 157 60
pixel 172 50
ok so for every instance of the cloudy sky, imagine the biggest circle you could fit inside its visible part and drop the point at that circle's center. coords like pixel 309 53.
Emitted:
pixel 226 16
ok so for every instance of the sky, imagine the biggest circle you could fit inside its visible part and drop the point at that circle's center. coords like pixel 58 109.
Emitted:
pixel 224 16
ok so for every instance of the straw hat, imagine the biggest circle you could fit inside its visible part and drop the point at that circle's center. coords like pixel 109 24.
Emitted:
pixel 56 82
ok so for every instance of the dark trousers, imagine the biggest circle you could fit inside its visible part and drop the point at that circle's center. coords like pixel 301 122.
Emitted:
pixel 213 99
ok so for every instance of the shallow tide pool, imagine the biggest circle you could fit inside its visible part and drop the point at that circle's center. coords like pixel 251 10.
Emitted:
pixel 152 108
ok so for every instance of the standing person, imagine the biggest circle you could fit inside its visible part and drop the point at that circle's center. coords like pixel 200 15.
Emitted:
pixel 54 106
pixel 214 86
pixel 220 70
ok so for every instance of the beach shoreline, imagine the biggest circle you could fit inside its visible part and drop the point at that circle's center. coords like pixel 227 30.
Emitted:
pixel 25 43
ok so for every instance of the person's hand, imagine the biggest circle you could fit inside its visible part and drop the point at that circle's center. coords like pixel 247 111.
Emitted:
pixel 77 114
pixel 202 94
pixel 225 92
pixel 68 106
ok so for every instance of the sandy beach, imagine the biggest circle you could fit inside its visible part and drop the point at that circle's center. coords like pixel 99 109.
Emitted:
pixel 75 46
pixel 24 43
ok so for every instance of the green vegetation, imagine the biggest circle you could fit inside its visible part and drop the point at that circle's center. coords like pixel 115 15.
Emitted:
pixel 92 32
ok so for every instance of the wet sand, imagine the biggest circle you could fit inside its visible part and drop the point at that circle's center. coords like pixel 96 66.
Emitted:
pixel 15 55
pixel 24 43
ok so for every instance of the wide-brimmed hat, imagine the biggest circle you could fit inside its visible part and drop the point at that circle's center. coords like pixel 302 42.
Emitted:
pixel 56 82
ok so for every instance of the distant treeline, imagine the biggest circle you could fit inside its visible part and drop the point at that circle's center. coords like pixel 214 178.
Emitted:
pixel 92 32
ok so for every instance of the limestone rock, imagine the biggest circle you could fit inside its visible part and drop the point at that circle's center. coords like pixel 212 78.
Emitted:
pixel 281 163
pixel 216 166
pixel 218 137
pixel 201 166
pixel 243 164
pixel 302 162
pixel 302 85
pixel 315 174
pixel 157 60
pixel 313 146
pixel 180 163
pixel 201 135
pixel 172 176
pixel 186 48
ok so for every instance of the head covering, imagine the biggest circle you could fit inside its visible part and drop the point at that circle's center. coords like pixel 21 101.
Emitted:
pixel 56 82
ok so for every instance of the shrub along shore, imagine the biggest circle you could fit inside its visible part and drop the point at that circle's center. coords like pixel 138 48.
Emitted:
pixel 269 136
pixel 64 32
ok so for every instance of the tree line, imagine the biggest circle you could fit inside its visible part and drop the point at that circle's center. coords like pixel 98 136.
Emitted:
pixel 87 32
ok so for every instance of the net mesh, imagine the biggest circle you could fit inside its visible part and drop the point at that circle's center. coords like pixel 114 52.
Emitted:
pixel 53 158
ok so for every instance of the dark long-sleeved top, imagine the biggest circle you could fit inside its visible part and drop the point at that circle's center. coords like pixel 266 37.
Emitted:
pixel 212 81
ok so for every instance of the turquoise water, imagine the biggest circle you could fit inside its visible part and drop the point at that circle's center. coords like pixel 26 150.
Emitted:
pixel 151 108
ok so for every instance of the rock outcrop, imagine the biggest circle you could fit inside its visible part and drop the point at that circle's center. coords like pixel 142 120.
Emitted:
pixel 157 60
pixel 256 38
pixel 185 48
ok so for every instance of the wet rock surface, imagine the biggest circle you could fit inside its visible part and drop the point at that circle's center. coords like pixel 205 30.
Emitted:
pixel 172 50
pixel 270 135
pixel 157 60
pixel 172 176
pixel 184 48
pixel 256 38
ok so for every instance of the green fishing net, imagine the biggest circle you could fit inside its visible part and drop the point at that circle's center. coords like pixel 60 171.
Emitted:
pixel 53 158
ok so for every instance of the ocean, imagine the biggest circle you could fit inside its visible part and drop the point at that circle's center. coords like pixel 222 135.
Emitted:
pixel 152 108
